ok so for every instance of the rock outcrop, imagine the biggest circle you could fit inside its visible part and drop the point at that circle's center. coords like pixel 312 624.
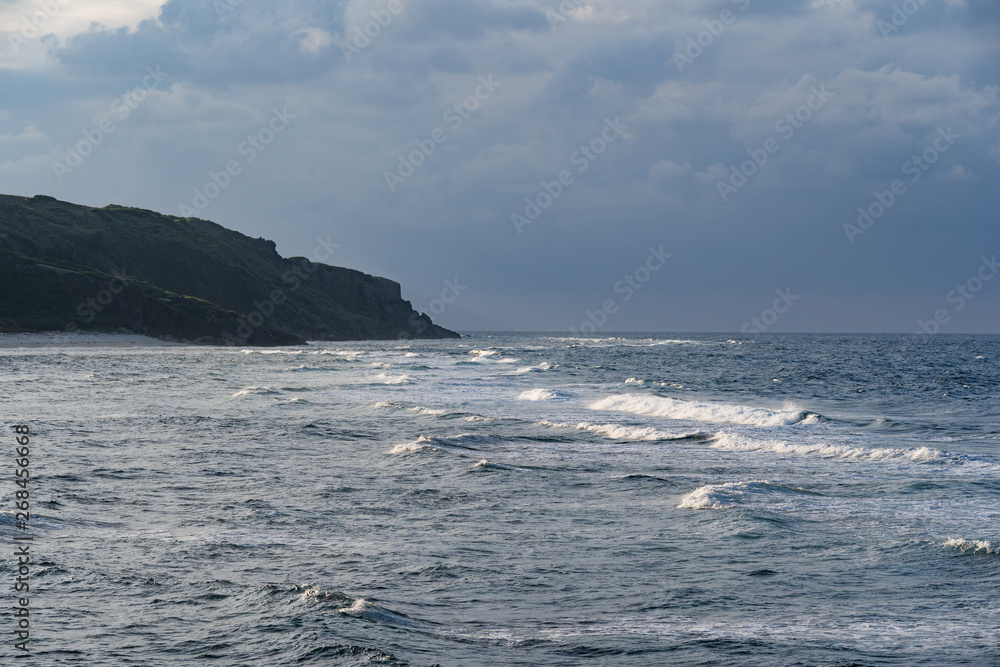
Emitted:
pixel 65 266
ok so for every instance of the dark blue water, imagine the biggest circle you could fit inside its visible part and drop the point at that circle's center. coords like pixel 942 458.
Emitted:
pixel 514 500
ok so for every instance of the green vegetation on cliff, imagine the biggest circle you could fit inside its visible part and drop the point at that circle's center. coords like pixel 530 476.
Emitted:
pixel 64 266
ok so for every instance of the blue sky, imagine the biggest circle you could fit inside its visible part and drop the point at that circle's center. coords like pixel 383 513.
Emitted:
pixel 697 165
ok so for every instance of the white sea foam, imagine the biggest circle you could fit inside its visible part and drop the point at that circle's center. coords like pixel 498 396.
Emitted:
pixel 672 408
pixel 484 353
pixel 544 366
pixel 731 494
pixel 349 355
pixel 641 382
pixel 428 411
pixel 720 496
pixel 362 608
pixel 623 432
pixel 732 442
pixel 981 547
pixel 488 465
pixel 310 592
pixel 422 443
pixel 457 444
pixel 256 391
pixel 624 342
pixel 383 378
pixel 541 395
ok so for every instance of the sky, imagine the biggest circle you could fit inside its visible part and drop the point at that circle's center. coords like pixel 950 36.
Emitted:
pixel 560 165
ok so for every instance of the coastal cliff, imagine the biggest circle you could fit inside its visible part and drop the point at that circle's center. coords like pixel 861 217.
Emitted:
pixel 65 266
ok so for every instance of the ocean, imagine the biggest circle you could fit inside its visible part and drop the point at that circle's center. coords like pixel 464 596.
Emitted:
pixel 510 499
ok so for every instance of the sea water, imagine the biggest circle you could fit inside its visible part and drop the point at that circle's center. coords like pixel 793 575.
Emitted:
pixel 511 500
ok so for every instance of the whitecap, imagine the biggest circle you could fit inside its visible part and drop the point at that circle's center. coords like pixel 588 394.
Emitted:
pixel 362 608
pixel 256 391
pixel 541 395
pixel 624 432
pixel 672 408
pixel 544 366
pixel 733 442
pixel 420 444
pixel 428 411
pixel 487 465
pixel 980 547
pixel 460 444
pixel 732 494
pixel 383 378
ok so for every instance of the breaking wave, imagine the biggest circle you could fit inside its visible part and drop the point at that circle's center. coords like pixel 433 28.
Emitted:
pixel 672 408
pixel 732 494
pixel 623 432
pixel 732 442
pixel 541 395
pixel 458 444
pixel 256 391
pixel 978 547
pixel 544 366
pixel 394 380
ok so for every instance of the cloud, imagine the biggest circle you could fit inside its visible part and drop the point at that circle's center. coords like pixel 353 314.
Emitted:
pixel 560 81
pixel 30 133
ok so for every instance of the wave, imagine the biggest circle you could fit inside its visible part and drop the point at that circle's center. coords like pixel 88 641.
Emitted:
pixel 458 444
pixel 544 366
pixel 641 382
pixel 672 408
pixel 732 494
pixel 541 395
pixel 978 547
pixel 737 443
pixel 420 444
pixel 428 411
pixel 394 380
pixel 350 355
pixel 623 432
pixel 431 412
pixel 480 354
pixel 357 607
pixel 487 465
pixel 256 391
pixel 579 341
pixel 363 608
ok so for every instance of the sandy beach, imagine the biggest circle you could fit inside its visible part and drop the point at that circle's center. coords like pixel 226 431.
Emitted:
pixel 80 339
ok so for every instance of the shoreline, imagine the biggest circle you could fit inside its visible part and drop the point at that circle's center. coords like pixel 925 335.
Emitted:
pixel 77 339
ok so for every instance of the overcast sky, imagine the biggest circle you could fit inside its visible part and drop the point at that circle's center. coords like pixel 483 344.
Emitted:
pixel 544 157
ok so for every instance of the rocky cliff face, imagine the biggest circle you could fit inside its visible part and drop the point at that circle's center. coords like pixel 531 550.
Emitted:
pixel 66 266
